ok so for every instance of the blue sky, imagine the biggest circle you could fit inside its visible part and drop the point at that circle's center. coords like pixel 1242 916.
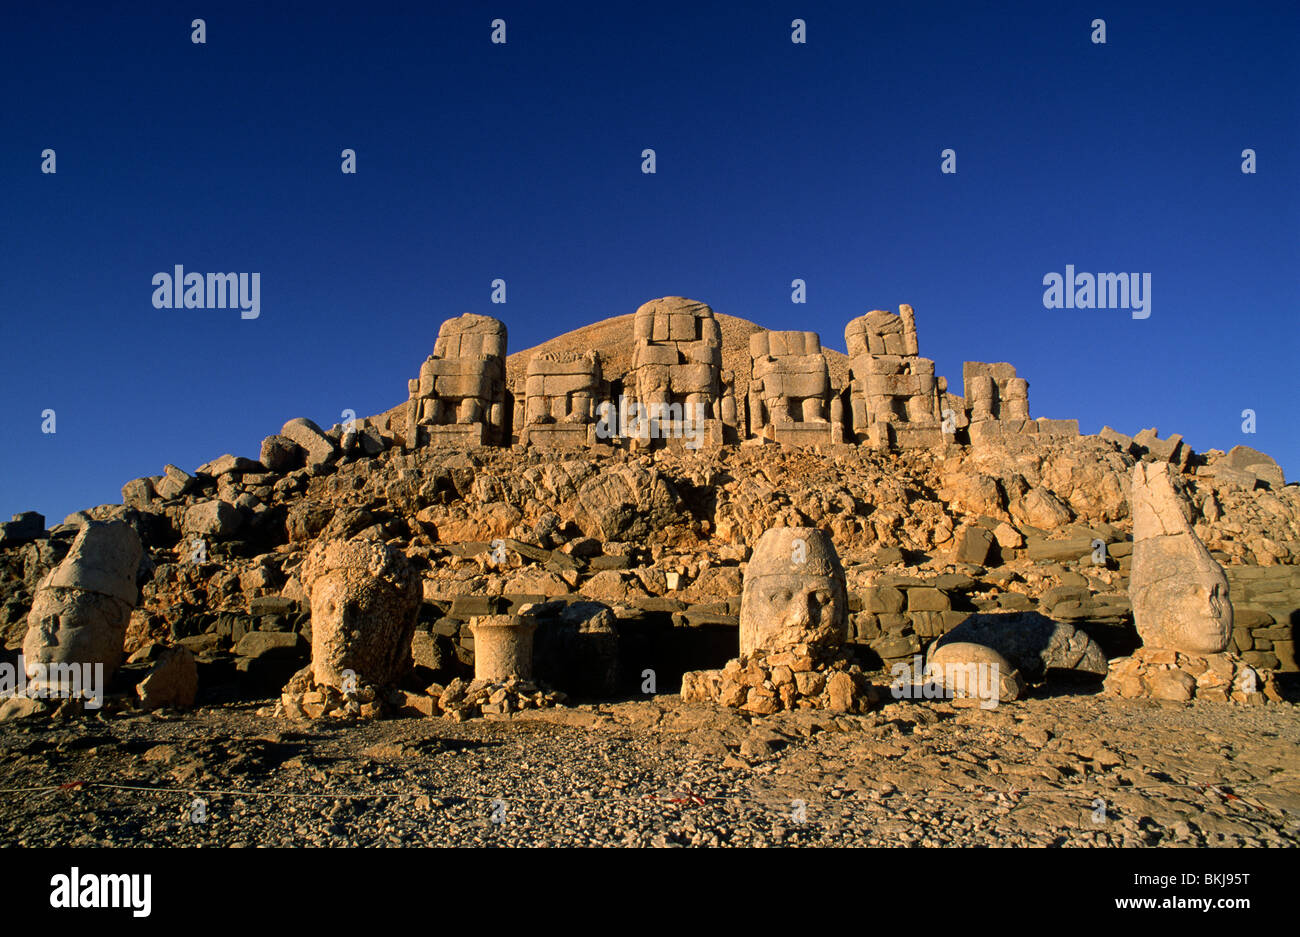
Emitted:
pixel 523 161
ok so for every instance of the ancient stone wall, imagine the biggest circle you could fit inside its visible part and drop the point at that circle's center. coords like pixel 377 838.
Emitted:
pixel 459 397
pixel 894 395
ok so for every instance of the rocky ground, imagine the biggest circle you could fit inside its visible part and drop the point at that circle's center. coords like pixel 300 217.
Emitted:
pixel 1067 770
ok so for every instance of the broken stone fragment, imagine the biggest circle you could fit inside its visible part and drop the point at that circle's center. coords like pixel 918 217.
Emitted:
pixel 312 440
pixel 1031 642
pixel 214 518
pixel 967 670
pixel 281 454
pixel 173 681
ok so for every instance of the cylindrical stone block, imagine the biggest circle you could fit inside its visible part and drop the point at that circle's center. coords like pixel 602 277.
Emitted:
pixel 503 646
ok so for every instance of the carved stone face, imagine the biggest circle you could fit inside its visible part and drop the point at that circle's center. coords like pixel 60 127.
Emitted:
pixel 1188 611
pixel 794 592
pixel 81 609
pixel 364 599
pixel 1179 593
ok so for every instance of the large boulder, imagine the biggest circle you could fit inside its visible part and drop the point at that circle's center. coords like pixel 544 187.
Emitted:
pixel 281 454
pixel 173 681
pixel 312 440
pixel 24 528
pixel 215 519
pixel 174 483
pixel 1042 509
pixel 1033 643
pixel 973 670
pixel 626 503
pixel 1263 467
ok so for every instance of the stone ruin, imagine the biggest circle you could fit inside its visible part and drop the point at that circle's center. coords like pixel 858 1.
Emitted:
pixel 894 396
pixel 793 626
pixel 675 389
pixel 790 396
pixel 563 392
pixel 790 656
pixel 1180 606
pixel 460 395
pixel 993 392
pixel 676 381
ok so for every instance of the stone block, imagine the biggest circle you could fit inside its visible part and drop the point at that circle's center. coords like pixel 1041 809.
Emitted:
pixel 926 599
pixel 878 599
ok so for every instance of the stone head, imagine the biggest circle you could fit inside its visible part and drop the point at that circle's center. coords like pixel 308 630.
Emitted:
pixel 794 592
pixel 364 599
pixel 1179 593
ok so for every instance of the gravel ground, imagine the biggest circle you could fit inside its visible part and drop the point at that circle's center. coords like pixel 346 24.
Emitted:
pixel 1067 771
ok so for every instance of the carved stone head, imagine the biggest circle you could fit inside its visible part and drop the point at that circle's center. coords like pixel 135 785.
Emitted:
pixel 1179 593
pixel 81 609
pixel 364 600
pixel 794 592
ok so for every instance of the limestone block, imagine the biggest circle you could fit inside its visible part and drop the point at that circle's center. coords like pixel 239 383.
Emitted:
pixel 663 355
pixel 692 378
pixel 311 439
pixel 701 353
pixel 711 330
pixel 681 327
pixel 463 385
pixel 557 385
pixel 563 364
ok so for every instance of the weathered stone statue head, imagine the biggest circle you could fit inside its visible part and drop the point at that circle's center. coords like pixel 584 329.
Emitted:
pixel 794 592
pixel 364 600
pixel 1179 593
pixel 81 609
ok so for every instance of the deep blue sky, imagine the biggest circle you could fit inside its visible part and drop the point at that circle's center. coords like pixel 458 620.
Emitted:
pixel 522 161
